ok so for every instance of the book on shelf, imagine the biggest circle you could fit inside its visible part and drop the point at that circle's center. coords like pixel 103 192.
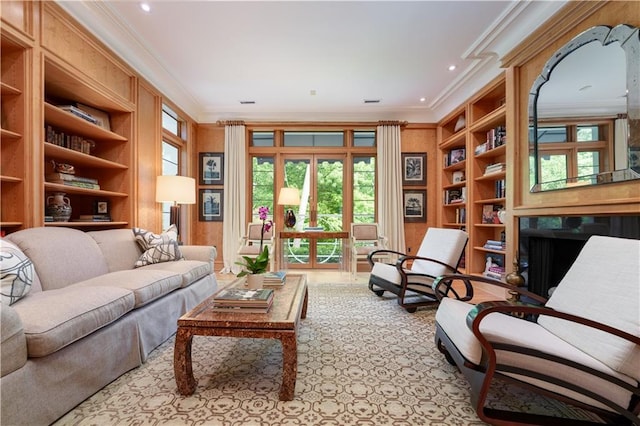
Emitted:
pixel 65 140
pixel 102 117
pixel 75 183
pixel 272 278
pixel 494 245
pixel 78 113
pixel 461 215
pixel 59 176
pixel 501 188
pixel 490 213
pixel 94 218
pixel 495 168
pixel 243 297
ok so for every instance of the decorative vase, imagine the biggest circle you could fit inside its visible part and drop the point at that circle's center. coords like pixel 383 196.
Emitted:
pixel 290 219
pixel 59 207
pixel 254 281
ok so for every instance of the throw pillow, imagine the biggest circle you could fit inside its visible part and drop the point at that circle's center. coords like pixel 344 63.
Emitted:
pixel 16 273
pixel 157 247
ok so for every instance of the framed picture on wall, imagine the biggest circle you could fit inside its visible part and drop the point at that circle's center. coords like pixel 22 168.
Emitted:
pixel 414 169
pixel 210 205
pixel 211 168
pixel 414 205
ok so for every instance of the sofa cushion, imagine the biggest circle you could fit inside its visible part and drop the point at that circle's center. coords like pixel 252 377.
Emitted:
pixel 56 318
pixel 146 284
pixel 451 317
pixel 157 248
pixel 585 291
pixel 61 256
pixel 16 273
pixel 118 246
pixel 190 270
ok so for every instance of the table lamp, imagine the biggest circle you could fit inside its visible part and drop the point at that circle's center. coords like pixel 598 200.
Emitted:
pixel 177 190
pixel 289 197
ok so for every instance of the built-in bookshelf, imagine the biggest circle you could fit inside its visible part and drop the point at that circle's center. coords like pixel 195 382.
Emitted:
pixel 15 61
pixel 472 145
pixel 99 151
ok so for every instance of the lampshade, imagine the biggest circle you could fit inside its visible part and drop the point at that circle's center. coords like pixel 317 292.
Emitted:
pixel 289 197
pixel 176 189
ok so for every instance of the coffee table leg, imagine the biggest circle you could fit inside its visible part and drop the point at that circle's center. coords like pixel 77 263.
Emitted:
pixel 182 367
pixel 289 366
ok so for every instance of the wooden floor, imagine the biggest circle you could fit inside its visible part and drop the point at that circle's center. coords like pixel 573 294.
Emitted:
pixel 481 293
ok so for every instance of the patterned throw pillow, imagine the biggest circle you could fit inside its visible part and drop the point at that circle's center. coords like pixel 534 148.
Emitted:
pixel 158 247
pixel 16 273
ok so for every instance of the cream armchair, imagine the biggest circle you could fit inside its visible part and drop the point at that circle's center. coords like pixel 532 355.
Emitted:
pixel 250 243
pixel 365 238
pixel 581 346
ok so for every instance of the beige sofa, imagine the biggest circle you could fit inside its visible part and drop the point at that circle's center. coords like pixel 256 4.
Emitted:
pixel 89 317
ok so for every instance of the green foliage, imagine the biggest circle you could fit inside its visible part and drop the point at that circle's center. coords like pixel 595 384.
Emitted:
pixel 256 265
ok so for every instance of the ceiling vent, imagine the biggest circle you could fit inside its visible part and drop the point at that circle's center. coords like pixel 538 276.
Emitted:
pixel 372 101
pixel 247 102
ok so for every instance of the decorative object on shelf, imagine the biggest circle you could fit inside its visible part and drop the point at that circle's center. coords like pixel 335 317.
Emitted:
pixel 211 205
pixel 457 155
pixel 415 205
pixel 101 207
pixel 515 278
pixel 59 207
pixel 414 169
pixel 289 197
pixel 177 190
pixel 259 264
pixel 211 168
pixel 63 168
pixel 460 123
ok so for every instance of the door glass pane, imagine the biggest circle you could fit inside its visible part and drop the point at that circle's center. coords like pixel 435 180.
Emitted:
pixel 330 200
pixel 364 185
pixel 297 174
pixel 263 178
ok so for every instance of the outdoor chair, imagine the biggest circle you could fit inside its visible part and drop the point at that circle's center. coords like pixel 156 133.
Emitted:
pixel 411 277
pixel 581 346
pixel 365 238
pixel 250 243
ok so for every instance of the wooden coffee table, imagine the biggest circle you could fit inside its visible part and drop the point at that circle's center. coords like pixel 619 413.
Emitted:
pixel 281 322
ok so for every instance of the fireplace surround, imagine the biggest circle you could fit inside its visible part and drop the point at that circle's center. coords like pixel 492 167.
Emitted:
pixel 548 245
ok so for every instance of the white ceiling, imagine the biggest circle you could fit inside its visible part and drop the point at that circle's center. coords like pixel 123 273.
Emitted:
pixel 208 56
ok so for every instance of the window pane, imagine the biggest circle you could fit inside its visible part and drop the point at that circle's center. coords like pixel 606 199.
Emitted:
pixel 588 163
pixel 550 134
pixel 170 154
pixel 367 139
pixel 553 171
pixel 169 120
pixel 588 134
pixel 263 178
pixel 364 198
pixel 262 139
pixel 311 139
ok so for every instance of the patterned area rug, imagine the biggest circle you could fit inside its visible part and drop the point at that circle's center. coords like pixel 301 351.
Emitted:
pixel 362 360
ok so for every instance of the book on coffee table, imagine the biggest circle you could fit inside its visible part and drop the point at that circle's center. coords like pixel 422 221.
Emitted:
pixel 275 278
pixel 242 309
pixel 243 298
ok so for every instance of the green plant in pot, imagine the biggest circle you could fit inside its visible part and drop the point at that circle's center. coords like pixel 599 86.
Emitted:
pixel 258 264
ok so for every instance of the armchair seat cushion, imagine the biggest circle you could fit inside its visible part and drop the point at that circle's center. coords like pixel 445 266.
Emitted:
pixel 500 328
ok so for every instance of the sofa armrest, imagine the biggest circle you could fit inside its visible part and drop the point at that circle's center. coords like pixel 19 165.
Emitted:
pixel 201 253
pixel 13 346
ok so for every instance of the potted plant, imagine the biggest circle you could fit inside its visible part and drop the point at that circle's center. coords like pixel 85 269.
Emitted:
pixel 254 267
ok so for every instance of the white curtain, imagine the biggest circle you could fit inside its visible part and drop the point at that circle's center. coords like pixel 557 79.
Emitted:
pixel 621 144
pixel 235 190
pixel 390 203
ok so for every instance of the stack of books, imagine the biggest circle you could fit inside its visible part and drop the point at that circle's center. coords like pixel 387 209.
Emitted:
pixel 78 112
pixel 243 300
pixel 275 278
pixel 93 218
pixel 72 180
pixel 495 168
pixel 495 245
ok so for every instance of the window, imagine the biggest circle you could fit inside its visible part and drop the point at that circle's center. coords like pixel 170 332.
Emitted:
pixel 263 172
pixel 313 139
pixel 364 189
pixel 262 139
pixel 172 145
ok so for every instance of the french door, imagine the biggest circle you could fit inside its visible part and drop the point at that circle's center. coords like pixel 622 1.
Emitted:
pixel 321 182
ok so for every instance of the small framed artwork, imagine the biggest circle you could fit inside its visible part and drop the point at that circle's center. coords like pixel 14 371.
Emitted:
pixel 414 169
pixel 101 207
pixel 211 205
pixel 414 205
pixel 211 168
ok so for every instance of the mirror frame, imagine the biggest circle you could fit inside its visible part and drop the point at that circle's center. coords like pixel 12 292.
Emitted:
pixel 629 38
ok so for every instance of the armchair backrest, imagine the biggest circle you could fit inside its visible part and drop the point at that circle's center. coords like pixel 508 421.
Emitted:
pixel 603 285
pixel 444 245
pixel 254 231
pixel 365 232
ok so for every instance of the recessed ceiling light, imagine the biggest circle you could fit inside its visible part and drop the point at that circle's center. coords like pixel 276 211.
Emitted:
pixel 452 67
pixel 312 92
pixel 423 99
pixel 145 6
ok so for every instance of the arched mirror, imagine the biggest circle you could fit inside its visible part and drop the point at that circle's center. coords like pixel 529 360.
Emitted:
pixel 584 112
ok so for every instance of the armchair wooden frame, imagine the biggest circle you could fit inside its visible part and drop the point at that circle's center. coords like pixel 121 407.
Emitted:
pixel 482 375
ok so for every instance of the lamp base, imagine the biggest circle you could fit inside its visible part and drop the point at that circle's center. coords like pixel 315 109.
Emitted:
pixel 174 217
pixel 289 219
